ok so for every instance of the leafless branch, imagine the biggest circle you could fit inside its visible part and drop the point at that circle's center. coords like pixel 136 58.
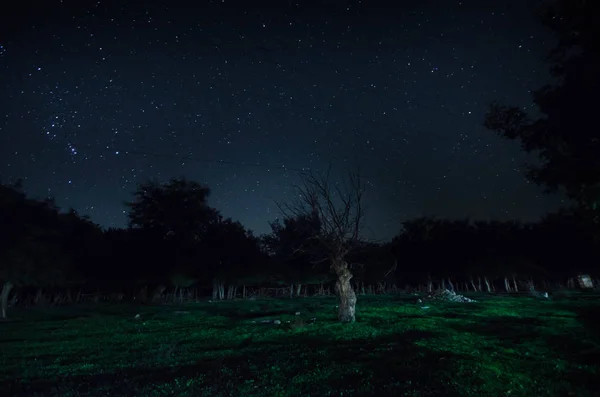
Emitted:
pixel 338 206
pixel 392 269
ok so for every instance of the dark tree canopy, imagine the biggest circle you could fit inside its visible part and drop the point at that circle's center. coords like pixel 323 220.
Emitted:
pixel 228 250
pixel 566 135
pixel 176 210
pixel 294 246
pixel 39 245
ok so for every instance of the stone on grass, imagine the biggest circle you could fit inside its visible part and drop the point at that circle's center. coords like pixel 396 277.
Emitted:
pixel 541 295
pixel 447 296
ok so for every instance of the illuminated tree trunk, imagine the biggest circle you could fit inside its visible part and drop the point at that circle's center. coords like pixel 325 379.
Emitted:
pixel 507 285
pixel 218 292
pixel 346 294
pixel 6 288
pixel 221 290
pixel 473 284
pixel 231 292
pixel 487 285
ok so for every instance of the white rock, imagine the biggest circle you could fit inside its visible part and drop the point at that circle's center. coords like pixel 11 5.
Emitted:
pixel 297 313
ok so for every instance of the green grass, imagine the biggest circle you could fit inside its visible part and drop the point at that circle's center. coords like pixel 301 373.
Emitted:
pixel 495 347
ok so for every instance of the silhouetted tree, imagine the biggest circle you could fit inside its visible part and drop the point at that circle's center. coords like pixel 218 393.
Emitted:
pixel 566 137
pixel 173 218
pixel 293 247
pixel 232 254
pixel 39 246
pixel 128 259
pixel 373 264
pixel 176 210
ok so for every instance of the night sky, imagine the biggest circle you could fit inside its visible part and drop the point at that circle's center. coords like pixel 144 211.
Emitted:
pixel 98 97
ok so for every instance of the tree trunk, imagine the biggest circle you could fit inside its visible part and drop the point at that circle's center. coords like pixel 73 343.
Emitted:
pixel 218 292
pixel 6 288
pixel 157 293
pixel 215 290
pixel 487 285
pixel 506 285
pixel 451 285
pixel 221 290
pixel 346 294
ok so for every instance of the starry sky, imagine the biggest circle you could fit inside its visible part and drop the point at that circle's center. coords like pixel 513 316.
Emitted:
pixel 96 97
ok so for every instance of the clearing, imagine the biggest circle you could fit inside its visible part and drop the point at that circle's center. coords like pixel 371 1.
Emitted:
pixel 498 346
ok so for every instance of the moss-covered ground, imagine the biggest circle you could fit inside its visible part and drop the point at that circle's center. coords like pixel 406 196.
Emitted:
pixel 499 346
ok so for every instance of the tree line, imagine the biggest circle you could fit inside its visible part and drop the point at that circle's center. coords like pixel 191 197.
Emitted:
pixel 175 241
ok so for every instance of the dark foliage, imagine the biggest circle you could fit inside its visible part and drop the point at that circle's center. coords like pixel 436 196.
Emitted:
pixel 566 136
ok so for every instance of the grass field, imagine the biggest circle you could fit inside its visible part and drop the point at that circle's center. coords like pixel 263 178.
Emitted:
pixel 499 346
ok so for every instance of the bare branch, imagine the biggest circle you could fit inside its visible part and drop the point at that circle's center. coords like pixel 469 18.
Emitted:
pixel 337 205
pixel 392 269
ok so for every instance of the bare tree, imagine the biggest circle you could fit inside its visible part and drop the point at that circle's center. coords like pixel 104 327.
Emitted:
pixel 338 206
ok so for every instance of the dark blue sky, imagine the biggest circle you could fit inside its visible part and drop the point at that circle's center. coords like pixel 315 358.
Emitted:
pixel 85 89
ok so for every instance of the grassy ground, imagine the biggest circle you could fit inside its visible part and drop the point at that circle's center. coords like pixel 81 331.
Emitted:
pixel 495 347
